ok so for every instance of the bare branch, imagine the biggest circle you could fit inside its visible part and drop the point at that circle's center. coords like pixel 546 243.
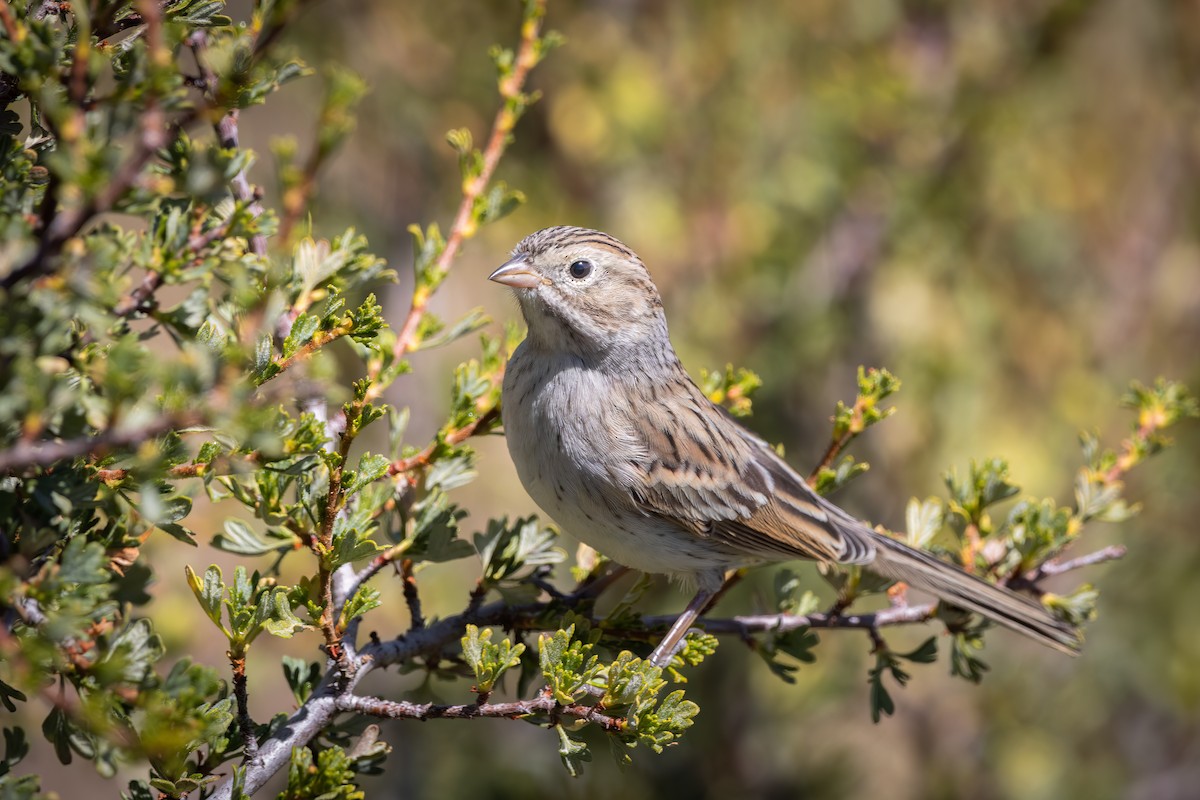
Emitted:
pixel 411 596
pixel 1057 567
pixel 542 704
pixel 245 724
pixel 782 623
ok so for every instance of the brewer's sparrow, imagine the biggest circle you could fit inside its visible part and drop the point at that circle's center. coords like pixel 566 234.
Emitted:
pixel 613 439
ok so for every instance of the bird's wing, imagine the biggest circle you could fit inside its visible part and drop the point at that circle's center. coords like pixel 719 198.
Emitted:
pixel 706 472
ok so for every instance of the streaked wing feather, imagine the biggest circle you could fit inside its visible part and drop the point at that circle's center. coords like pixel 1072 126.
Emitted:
pixel 707 473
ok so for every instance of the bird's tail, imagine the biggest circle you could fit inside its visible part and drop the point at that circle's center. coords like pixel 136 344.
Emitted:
pixel 898 561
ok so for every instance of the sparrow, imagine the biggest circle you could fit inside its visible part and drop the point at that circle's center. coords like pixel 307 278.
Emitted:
pixel 613 439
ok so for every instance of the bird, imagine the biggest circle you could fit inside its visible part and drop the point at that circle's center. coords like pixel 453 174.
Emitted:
pixel 617 444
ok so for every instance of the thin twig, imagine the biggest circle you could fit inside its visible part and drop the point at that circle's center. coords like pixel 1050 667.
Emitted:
pixel 423 458
pixel 10 22
pixel 542 704
pixel 309 348
pixel 411 596
pixel 227 132
pixel 228 136
pixel 245 723
pixel 140 298
pixel 40 454
pixel 1056 567
pixel 831 452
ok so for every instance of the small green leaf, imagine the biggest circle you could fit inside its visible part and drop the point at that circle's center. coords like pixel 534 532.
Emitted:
pixel 364 600
pixel 210 592
pixel 276 616
pixel 302 677
pixel 489 661
pixel 566 663
pixel 301 334
pixel 573 752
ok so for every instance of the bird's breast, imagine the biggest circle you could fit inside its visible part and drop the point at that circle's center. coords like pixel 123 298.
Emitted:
pixel 572 436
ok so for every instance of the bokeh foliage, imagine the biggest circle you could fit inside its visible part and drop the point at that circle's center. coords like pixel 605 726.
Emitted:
pixel 939 188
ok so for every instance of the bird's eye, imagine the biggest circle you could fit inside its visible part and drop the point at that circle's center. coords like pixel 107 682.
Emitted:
pixel 581 269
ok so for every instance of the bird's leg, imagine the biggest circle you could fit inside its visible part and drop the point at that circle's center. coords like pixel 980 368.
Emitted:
pixel 665 651
pixel 731 579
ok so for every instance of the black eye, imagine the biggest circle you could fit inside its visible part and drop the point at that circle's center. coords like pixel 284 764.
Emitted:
pixel 581 269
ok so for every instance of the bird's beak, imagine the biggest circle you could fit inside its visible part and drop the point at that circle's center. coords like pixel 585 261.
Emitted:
pixel 517 274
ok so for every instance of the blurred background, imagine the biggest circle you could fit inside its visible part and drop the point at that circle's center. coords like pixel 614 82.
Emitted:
pixel 995 200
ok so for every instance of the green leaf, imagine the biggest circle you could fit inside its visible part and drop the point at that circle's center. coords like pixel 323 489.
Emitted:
pixel 435 531
pixel 473 321
pixel 210 593
pixel 370 468
pixel 507 550
pixel 489 661
pixel 131 654
pixel 274 614
pixel 302 677
pixel 351 544
pixel 881 702
pixel 731 389
pixel 830 479
pixel 331 777
pixel 239 538
pixel 573 752
pixel 923 522
pixel 964 663
pixel 566 663
pixel 84 563
pixel 925 653
pixel 301 334
pixel 364 600
pixel 662 726
pixel 8 694
pixel 1077 608
pixel 16 747
pixel 66 736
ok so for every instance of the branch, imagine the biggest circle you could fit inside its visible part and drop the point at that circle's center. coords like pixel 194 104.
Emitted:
pixel 411 596
pixel 542 704
pixel 309 348
pixel 245 724
pixel 835 446
pixel 319 710
pixel 781 623
pixel 40 454
pixel 10 23
pixel 457 436
pixel 328 699
pixel 227 134
pixel 1057 567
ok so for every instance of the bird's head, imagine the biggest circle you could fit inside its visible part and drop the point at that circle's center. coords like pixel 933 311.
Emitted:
pixel 584 292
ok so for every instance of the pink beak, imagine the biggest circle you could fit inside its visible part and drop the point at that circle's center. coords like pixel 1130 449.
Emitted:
pixel 517 274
